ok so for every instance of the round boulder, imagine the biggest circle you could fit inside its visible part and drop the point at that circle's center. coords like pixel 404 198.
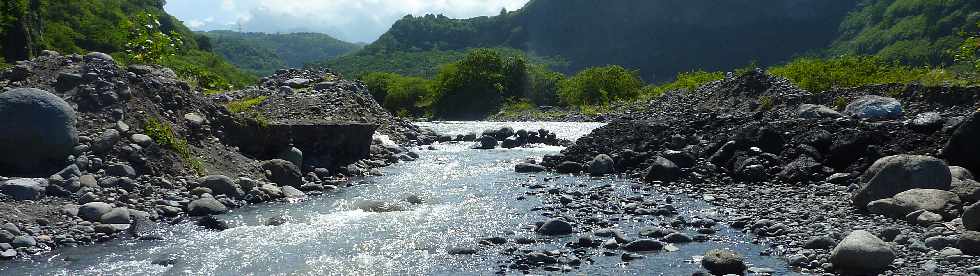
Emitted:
pixel 555 227
pixel 206 206
pixel 93 211
pixel 602 165
pixel 662 170
pixel 24 188
pixel 862 252
pixel 221 185
pixel 962 149
pixel 283 172
pixel 873 107
pixel 895 174
pixel 38 132
pixel 723 262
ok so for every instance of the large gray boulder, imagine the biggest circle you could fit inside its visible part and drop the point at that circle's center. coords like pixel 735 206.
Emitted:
pixel 873 107
pixel 555 227
pixel 93 211
pixel 662 170
pixel 602 165
pixel 723 262
pixel 895 174
pixel 486 142
pixel 283 172
pixel 206 206
pixel 971 217
pixel 963 148
pixel 24 188
pixel 221 185
pixel 38 132
pixel 863 253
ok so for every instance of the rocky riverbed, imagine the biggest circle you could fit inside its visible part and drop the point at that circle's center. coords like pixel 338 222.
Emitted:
pixel 857 181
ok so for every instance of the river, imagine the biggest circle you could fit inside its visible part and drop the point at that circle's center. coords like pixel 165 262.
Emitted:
pixel 468 195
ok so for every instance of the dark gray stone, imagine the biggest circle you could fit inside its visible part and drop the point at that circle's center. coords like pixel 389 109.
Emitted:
pixel 862 252
pixel 38 132
pixel 895 174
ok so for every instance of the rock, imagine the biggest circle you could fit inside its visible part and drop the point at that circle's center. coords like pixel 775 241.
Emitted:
pixel 292 192
pixel 932 200
pixel 873 107
pixel 293 155
pixel 221 185
pixel 723 262
pixel 555 227
pixel 106 141
pixel 862 252
pixel 682 159
pixel 93 211
pixel 662 170
pixel 812 111
pixel 967 189
pixel 889 207
pixel 927 122
pixel 67 81
pixel 88 181
pixel 962 149
pixel 98 56
pixel 377 206
pixel 504 133
pixel 210 222
pixel 969 243
pixel 206 206
pixel 960 173
pixel 602 165
pixel 461 251
pixel 38 132
pixel 121 170
pixel 971 217
pixel 677 238
pixel 510 143
pixel 528 168
pixel 24 188
pixel 799 170
pixel 23 241
pixel 194 120
pixel 283 172
pixel 569 167
pixel 297 82
pixel 821 242
pixel 895 174
pixel 116 216
pixel 141 140
pixel 926 218
pixel 643 245
pixel 486 143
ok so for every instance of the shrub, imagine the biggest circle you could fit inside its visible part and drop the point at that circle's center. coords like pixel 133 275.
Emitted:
pixel 377 84
pixel 207 71
pixel 147 41
pixel 766 103
pixel 600 86
pixel 684 81
pixel 408 96
pixel 163 134
pixel 241 106
pixel 817 75
pixel 515 107
pixel 471 88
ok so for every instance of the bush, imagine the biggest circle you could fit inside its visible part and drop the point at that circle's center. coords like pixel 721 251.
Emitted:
pixel 817 75
pixel 408 96
pixel 600 86
pixel 241 106
pixel 684 81
pixel 148 44
pixel 207 71
pixel 471 88
pixel 163 134
pixel 543 85
pixel 377 84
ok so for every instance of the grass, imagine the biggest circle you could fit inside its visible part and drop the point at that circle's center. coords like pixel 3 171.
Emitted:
pixel 164 134
pixel 684 81
pixel 241 106
pixel 818 75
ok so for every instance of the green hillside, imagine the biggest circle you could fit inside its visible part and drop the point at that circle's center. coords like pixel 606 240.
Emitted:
pixel 262 53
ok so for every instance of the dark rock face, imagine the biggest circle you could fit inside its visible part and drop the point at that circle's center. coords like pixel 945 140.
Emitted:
pixel 895 174
pixel 963 148
pixel 326 145
pixel 38 132
pixel 283 173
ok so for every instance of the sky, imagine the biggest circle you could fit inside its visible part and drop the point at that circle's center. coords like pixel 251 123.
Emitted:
pixel 349 20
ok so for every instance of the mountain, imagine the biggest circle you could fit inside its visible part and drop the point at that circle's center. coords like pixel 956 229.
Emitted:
pixel 80 26
pixel 913 31
pixel 658 37
pixel 264 53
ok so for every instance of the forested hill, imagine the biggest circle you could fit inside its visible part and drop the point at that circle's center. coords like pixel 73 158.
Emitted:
pixel 660 37
pixel 264 53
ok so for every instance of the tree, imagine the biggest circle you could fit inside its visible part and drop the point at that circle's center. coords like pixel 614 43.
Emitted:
pixel 600 86
pixel 147 41
pixel 471 88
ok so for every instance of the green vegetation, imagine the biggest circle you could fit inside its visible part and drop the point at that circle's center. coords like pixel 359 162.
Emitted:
pixel 818 75
pixel 262 54
pixel 600 86
pixel 424 64
pixel 148 43
pixel 163 134
pixel 684 81
pixel 245 105
pixel 914 32
pixel 766 103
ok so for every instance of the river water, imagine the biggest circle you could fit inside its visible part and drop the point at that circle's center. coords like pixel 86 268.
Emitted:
pixel 468 195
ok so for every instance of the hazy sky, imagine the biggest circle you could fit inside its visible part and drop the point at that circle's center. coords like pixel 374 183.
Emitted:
pixel 350 20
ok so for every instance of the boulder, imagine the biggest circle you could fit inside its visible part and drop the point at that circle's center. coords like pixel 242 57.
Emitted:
pixel 116 216
pixel 813 111
pixel 555 227
pixel 862 252
pixel 967 189
pixel 292 192
pixel 602 165
pixel 960 173
pixel 927 122
pixel 221 185
pixel 206 206
pixel 98 57
pixel 971 217
pixel 682 159
pixel 528 168
pixel 293 155
pixel 644 245
pixel 932 200
pixel 121 170
pixel 297 82
pixel 662 170
pixel 38 132
pixel 24 188
pixel 141 139
pixel 93 211
pixel 962 149
pixel 486 142
pixel 874 107
pixel 723 262
pixel 569 167
pixel 210 222
pixel 895 174
pixel 283 172
pixel 969 243
pixel 106 141
pixel 194 120
pixel 376 206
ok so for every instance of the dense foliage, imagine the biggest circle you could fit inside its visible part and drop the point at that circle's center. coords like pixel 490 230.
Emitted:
pixel 420 64
pixel 818 75
pixel 911 31
pixel 147 41
pixel 262 53
pixel 600 86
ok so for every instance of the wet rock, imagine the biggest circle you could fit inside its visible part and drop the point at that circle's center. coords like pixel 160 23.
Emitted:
pixel 377 206
pixel 38 132
pixel 682 159
pixel 821 242
pixel 723 262
pixel 927 122
pixel 461 251
pixel 221 185
pixel 291 192
pixel 555 227
pixel 24 188
pixel 283 172
pixel 895 174
pixel 93 211
pixel 677 238
pixel 23 241
pixel 969 243
pixel 812 111
pixel 210 222
pixel 962 148
pixel 662 170
pixel 116 216
pixel 569 167
pixel 528 168
pixel 206 206
pixel 862 252
pixel 873 107
pixel 510 143
pixel 486 143
pixel 602 165
pixel 643 245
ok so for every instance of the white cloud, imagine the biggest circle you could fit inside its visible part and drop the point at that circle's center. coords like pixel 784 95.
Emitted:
pixel 353 20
